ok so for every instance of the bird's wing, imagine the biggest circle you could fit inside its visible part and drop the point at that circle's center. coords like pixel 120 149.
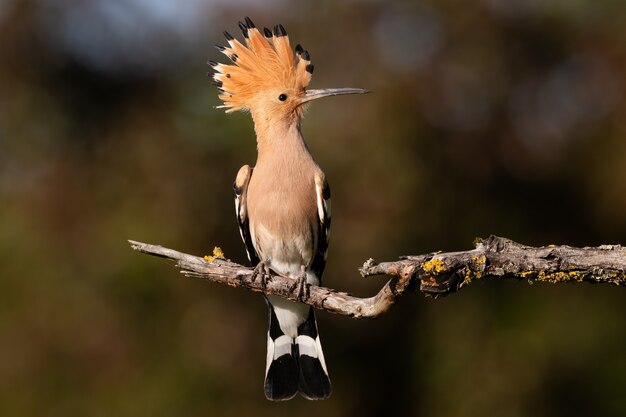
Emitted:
pixel 241 207
pixel 322 192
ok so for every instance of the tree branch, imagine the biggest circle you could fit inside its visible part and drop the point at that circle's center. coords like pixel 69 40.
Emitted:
pixel 434 274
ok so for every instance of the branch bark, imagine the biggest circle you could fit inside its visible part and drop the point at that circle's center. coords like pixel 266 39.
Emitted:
pixel 435 274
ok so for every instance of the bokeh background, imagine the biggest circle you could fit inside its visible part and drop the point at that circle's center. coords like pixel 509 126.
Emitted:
pixel 489 116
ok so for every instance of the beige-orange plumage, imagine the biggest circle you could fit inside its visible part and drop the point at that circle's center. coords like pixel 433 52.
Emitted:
pixel 283 203
pixel 264 62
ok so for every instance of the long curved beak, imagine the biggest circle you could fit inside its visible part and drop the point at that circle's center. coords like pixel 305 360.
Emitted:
pixel 327 92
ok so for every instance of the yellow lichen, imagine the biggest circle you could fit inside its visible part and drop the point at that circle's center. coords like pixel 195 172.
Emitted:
pixel 217 253
pixel 480 260
pixel 475 269
pixel 577 276
pixel 471 275
pixel 556 277
pixel 434 265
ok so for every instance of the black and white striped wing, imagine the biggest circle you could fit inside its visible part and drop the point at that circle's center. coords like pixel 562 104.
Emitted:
pixel 322 192
pixel 241 208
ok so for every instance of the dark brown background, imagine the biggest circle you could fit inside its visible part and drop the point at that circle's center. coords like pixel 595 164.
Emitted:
pixel 490 116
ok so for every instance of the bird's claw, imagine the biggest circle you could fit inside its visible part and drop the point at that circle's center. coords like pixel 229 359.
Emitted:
pixel 301 286
pixel 262 270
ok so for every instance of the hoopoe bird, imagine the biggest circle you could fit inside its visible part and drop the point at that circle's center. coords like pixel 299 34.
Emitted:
pixel 283 203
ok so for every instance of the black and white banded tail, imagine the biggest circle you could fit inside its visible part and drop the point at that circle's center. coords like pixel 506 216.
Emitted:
pixel 295 365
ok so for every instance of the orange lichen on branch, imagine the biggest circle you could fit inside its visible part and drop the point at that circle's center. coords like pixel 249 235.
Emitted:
pixel 217 253
pixel 435 265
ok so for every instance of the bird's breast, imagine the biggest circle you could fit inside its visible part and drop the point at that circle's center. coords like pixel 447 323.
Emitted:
pixel 282 225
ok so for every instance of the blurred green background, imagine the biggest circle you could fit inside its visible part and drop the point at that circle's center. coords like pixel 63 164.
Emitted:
pixel 492 116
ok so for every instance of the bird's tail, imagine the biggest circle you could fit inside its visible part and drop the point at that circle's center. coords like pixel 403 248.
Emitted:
pixel 295 364
pixel 313 382
pixel 281 372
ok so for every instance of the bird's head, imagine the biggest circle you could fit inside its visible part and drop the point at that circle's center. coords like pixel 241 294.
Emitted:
pixel 266 77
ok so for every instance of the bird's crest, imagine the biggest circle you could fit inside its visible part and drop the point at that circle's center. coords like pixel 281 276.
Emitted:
pixel 265 61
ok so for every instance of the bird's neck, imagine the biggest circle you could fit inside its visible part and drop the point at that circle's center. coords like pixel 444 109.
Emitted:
pixel 279 139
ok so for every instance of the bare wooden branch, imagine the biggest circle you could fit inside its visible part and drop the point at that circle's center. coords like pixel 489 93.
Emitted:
pixel 226 272
pixel 435 274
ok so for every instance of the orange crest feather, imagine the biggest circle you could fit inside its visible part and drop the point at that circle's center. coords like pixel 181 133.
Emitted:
pixel 266 61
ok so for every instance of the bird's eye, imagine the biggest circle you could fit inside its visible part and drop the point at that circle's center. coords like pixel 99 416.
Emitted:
pixel 282 97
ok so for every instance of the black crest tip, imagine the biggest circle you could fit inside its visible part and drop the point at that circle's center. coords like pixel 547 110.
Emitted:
pixel 249 23
pixel 310 68
pixel 216 83
pixel 234 57
pixel 228 36
pixel 279 30
pixel 299 49
pixel 211 63
pixel 219 47
pixel 244 29
pixel 305 55
pixel 267 32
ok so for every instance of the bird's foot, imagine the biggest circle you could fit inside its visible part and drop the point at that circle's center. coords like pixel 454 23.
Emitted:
pixel 262 271
pixel 301 286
